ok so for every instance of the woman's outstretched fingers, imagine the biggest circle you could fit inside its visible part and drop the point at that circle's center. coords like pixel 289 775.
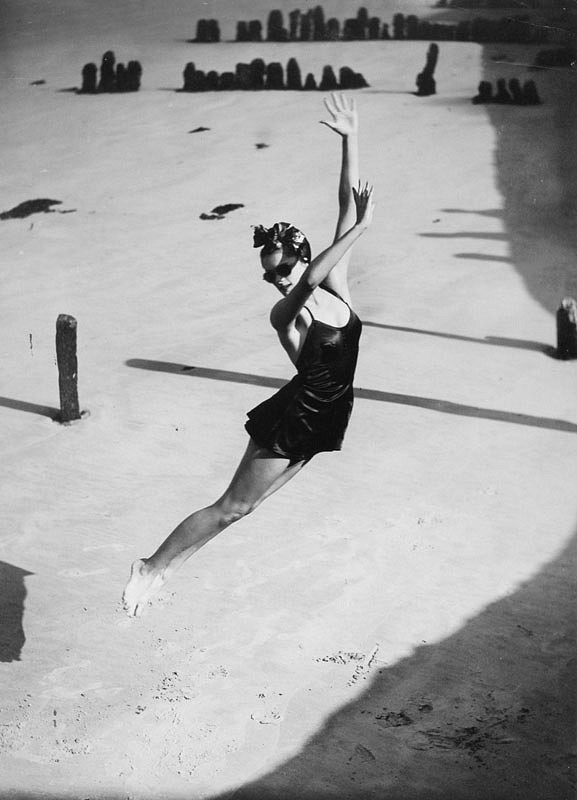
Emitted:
pixel 328 106
pixel 343 114
pixel 340 101
pixel 364 203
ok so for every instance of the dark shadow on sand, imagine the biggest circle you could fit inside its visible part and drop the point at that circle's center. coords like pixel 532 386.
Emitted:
pixel 31 408
pixel 388 91
pixel 12 596
pixel 492 341
pixel 203 372
pixel 484 257
pixel 539 190
pixel 467 235
pixel 488 713
pixel 429 403
pixel 487 212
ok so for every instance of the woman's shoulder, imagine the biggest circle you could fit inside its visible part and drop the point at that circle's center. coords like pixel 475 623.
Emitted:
pixel 277 316
pixel 338 289
pixel 332 308
pixel 277 309
pixel 278 319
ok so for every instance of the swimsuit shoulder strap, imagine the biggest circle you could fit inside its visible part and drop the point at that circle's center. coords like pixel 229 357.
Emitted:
pixel 310 312
pixel 335 294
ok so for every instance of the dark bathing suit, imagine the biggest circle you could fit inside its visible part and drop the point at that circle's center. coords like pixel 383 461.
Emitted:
pixel 310 414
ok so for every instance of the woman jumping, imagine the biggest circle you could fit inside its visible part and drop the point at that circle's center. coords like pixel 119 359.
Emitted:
pixel 320 332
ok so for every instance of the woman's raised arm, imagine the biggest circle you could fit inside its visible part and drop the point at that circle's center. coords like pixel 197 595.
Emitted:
pixel 320 269
pixel 344 121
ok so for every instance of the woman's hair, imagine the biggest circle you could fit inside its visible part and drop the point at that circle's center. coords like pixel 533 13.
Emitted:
pixel 282 234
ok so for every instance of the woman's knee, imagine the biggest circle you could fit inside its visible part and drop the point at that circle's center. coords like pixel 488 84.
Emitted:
pixel 232 510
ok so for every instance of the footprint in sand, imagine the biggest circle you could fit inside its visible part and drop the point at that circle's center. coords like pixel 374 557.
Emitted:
pixel 63 693
pixel 61 683
pixel 266 714
pixel 57 673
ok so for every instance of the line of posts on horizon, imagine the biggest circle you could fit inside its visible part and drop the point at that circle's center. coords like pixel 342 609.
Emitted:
pixel 508 94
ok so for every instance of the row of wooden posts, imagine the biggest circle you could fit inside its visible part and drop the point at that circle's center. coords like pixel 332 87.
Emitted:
pixel 67 359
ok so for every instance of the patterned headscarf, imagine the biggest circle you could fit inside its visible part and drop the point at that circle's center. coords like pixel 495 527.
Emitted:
pixel 282 233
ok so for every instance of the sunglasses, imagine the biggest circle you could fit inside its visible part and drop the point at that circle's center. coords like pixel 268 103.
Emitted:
pixel 282 271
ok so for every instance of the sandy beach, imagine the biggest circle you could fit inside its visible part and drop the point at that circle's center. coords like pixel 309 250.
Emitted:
pixel 399 621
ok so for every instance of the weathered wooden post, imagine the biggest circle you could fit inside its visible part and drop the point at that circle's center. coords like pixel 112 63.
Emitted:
pixel 257 73
pixel 306 27
pixel 485 93
pixel 107 72
pixel 242 32
pixel 67 368
pixel 255 30
pixel 333 29
pixel 121 77
pixel 133 76
pixel 319 27
pixel 374 28
pixel 567 329
pixel 516 92
pixel 293 75
pixel 202 34
pixel 328 80
pixel 276 31
pixel 426 85
pixel 89 78
pixel 530 94
pixel 243 77
pixel 188 76
pixel 502 96
pixel 274 76
pixel 294 25
pixel 212 79
pixel 310 83
pixel 213 30
pixel 226 82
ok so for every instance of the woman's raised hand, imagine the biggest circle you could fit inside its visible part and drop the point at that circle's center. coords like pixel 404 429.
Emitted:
pixel 343 111
pixel 364 204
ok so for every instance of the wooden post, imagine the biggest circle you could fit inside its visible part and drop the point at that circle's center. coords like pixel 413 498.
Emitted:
pixel 67 368
pixel 426 85
pixel 567 329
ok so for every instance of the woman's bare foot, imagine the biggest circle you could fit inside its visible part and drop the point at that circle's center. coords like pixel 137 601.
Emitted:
pixel 143 584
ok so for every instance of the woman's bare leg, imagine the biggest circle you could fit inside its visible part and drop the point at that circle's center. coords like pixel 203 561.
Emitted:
pixel 259 474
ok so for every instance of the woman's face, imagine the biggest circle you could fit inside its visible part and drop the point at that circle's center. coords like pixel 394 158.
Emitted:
pixel 280 256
